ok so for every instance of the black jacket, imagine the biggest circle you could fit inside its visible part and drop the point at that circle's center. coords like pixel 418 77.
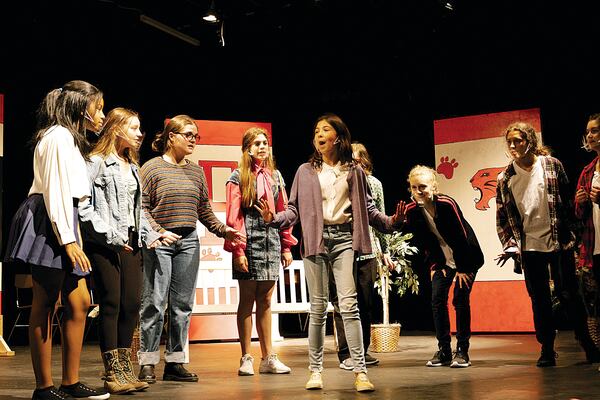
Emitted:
pixel 454 229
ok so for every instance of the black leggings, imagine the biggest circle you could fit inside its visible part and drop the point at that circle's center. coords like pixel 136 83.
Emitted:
pixel 117 288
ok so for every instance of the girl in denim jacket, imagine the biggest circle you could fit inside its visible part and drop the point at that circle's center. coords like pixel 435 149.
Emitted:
pixel 114 230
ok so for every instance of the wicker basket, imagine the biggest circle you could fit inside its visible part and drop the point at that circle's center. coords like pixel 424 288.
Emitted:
pixel 385 338
pixel 135 344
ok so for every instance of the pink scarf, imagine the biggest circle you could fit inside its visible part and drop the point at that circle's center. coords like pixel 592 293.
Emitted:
pixel 264 184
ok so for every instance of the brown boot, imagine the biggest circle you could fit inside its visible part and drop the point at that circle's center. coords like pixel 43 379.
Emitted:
pixel 127 366
pixel 115 380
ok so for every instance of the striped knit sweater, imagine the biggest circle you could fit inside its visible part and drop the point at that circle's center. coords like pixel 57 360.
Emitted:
pixel 176 197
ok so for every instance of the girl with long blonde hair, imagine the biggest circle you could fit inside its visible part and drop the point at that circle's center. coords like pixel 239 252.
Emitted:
pixel 115 229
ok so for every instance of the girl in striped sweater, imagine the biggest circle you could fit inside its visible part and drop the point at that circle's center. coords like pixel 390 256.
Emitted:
pixel 174 197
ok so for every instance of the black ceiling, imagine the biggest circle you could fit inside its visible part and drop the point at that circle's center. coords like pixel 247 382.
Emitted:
pixel 388 67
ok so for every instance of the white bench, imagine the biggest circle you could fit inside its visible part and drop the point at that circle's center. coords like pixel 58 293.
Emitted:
pixel 219 293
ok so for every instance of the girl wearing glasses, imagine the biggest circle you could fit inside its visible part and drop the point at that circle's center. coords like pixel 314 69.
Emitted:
pixel 115 229
pixel 174 197
pixel 256 264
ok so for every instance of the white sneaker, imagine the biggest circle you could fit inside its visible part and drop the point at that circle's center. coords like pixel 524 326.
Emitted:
pixel 246 367
pixel 272 365
pixel 315 381
pixel 347 364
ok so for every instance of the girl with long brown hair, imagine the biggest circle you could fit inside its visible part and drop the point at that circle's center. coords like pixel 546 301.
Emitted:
pixel 45 234
pixel 256 263
pixel 330 198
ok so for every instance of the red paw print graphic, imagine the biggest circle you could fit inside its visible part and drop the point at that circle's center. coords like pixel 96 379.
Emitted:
pixel 446 167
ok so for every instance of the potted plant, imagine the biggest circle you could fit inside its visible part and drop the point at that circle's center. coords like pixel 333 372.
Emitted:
pixel 385 336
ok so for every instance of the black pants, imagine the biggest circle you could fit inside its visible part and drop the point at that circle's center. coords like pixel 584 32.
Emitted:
pixel 117 286
pixel 566 289
pixel 594 303
pixel 440 287
pixel 364 275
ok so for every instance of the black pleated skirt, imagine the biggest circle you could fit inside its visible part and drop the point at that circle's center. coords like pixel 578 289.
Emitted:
pixel 32 239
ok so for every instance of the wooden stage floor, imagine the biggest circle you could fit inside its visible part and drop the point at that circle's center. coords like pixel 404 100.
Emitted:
pixel 503 369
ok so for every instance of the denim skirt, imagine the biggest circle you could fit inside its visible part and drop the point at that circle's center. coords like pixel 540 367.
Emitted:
pixel 32 239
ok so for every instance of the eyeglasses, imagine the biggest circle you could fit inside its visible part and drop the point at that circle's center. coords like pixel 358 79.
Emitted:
pixel 593 131
pixel 189 136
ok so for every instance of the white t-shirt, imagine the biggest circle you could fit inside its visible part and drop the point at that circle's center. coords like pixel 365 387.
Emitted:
pixel 529 191
pixel 59 175
pixel 445 248
pixel 336 194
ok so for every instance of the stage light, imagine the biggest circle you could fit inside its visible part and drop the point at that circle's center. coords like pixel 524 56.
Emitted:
pixel 211 15
pixel 167 29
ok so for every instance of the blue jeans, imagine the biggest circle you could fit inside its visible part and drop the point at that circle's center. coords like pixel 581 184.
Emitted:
pixel 338 260
pixel 170 274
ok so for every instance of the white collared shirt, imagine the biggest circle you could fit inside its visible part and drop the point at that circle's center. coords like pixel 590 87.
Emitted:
pixel 60 175
pixel 336 194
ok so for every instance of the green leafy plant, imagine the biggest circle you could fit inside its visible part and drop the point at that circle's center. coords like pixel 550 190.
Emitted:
pixel 404 279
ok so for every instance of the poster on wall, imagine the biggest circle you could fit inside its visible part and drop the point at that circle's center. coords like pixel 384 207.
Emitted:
pixel 470 152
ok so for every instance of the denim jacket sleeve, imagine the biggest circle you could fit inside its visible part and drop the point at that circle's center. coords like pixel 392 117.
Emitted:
pixel 94 226
pixel 147 234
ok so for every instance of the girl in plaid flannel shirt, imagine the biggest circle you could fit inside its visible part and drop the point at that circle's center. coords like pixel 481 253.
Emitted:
pixel 535 223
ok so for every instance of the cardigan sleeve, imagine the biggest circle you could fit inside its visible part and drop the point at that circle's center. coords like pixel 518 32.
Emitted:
pixel 377 191
pixel 287 239
pixel 290 216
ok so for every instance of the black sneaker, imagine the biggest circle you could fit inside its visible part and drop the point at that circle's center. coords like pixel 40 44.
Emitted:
pixel 547 359
pixel 177 372
pixel 461 359
pixel 592 354
pixel 50 393
pixel 80 391
pixel 441 357
pixel 370 360
pixel 147 374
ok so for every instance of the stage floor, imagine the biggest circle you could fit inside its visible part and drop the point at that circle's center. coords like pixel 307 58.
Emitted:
pixel 503 368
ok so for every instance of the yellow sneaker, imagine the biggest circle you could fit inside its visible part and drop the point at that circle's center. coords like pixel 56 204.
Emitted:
pixel 315 381
pixel 362 382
